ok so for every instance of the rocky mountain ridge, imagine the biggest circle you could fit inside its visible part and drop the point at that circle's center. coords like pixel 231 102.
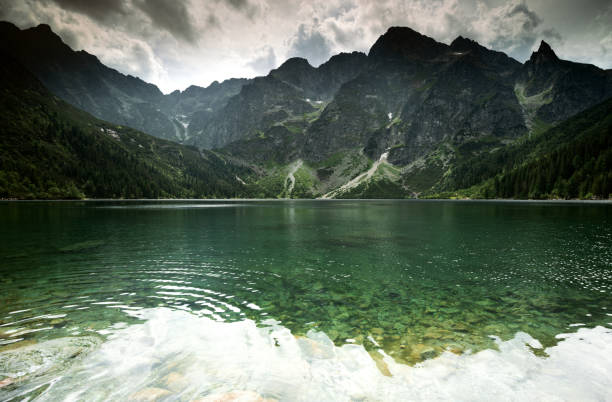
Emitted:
pixel 423 104
pixel 83 81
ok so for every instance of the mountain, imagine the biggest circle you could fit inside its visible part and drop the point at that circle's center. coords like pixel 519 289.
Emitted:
pixel 292 95
pixel 49 149
pixel 417 108
pixel 192 109
pixel 397 122
pixel 417 92
pixel 551 89
pixel 82 80
pixel 321 83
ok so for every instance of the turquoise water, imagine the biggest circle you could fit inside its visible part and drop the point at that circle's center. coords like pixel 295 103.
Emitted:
pixel 403 282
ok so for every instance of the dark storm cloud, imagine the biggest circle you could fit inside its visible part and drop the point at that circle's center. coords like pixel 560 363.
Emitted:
pixel 552 34
pixel 97 10
pixel 212 21
pixel 170 15
pixel 531 21
pixel 310 44
pixel 244 6
pixel 238 4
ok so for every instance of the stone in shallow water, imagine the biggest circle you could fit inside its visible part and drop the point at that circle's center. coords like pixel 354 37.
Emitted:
pixel 57 321
pixel 319 348
pixel 495 329
pixel 6 382
pixel 380 363
pixel 433 333
pixel 41 358
pixel 17 345
pixel 422 352
pixel 377 331
pixel 460 327
pixel 454 348
pixel 149 394
pixel 176 382
pixel 235 396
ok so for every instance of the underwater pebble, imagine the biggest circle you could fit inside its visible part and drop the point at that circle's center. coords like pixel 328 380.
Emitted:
pixel 149 394
pixel 235 396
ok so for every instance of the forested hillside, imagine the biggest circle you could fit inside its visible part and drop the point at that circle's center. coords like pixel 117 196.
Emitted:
pixel 49 149
pixel 571 160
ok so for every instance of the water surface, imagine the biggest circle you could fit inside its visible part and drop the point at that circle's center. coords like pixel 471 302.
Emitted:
pixel 191 299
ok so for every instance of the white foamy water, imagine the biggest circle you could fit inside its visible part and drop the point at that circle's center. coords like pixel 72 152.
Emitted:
pixel 176 355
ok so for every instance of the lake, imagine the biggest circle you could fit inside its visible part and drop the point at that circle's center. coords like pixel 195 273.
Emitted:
pixel 305 300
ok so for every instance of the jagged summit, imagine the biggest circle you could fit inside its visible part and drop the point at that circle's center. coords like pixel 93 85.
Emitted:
pixel 296 71
pixel 461 44
pixel 43 27
pixel 45 33
pixel 544 53
pixel 295 62
pixel 406 43
pixel 346 55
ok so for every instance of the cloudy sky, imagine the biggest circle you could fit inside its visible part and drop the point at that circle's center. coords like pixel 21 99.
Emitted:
pixel 175 43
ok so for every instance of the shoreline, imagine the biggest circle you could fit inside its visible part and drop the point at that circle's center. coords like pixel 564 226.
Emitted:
pixel 551 200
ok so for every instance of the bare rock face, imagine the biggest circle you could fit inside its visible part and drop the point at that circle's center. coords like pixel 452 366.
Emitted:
pixel 151 394
pixel 235 396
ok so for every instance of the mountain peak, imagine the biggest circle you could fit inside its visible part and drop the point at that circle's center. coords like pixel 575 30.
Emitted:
pixel 43 27
pixel 406 43
pixel 292 69
pixel 45 31
pixel 461 44
pixel 294 62
pixel 544 53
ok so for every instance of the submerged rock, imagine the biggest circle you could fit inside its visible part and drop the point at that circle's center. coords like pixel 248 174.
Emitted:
pixel 5 382
pixel 149 394
pixel 422 352
pixel 380 363
pixel 17 345
pixel 176 381
pixel 36 359
pixel 235 396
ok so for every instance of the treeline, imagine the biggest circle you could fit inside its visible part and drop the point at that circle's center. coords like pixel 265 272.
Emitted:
pixel 580 170
pixel 571 160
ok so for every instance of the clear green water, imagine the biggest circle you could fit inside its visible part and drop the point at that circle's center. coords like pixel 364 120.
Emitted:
pixel 409 279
